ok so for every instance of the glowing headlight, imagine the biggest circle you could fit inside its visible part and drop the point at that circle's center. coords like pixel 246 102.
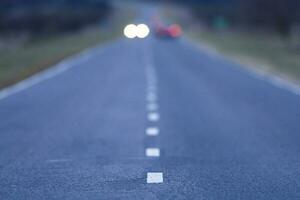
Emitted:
pixel 142 31
pixel 130 31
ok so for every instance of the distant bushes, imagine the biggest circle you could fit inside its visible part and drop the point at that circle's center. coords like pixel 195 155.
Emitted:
pixel 50 16
pixel 271 15
pixel 210 13
pixel 278 15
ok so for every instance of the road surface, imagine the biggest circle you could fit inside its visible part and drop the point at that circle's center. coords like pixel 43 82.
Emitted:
pixel 149 119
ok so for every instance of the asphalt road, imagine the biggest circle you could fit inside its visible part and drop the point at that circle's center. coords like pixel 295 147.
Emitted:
pixel 212 129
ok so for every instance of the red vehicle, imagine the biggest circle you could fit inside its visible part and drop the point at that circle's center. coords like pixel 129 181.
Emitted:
pixel 171 31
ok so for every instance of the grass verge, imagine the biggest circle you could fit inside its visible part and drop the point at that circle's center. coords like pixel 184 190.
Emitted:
pixel 33 57
pixel 265 52
pixel 260 51
pixel 25 60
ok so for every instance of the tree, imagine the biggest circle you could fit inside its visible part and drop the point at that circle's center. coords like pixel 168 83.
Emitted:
pixel 279 15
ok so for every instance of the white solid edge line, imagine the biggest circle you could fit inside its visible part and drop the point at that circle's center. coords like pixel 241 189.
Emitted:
pixel 155 177
pixel 44 75
pixel 269 78
pixel 34 80
pixel 49 73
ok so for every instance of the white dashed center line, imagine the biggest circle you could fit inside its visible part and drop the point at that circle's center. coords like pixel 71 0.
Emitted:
pixel 152 113
pixel 151 97
pixel 151 88
pixel 153 116
pixel 152 131
pixel 152 152
pixel 152 107
pixel 155 177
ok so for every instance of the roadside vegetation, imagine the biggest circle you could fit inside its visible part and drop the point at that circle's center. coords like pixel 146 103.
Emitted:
pixel 36 42
pixel 268 53
pixel 260 33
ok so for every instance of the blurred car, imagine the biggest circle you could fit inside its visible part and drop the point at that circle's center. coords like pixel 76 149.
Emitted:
pixel 171 31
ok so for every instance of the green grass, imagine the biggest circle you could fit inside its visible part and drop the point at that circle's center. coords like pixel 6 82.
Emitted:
pixel 21 62
pixel 24 60
pixel 263 50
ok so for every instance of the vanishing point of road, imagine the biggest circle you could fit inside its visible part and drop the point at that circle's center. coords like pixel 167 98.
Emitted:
pixel 149 119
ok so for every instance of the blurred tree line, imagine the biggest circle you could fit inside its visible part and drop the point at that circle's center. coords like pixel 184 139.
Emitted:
pixel 277 15
pixel 50 16
pixel 271 15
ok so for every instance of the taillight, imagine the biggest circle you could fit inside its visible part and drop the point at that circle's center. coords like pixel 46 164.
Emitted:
pixel 175 30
